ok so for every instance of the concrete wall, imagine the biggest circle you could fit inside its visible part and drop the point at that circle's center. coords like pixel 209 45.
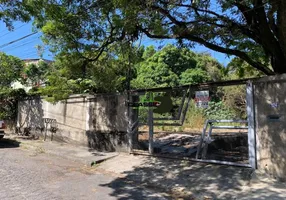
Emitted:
pixel 96 121
pixel 270 110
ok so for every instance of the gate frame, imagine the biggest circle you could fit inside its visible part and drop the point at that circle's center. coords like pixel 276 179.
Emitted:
pixel 132 126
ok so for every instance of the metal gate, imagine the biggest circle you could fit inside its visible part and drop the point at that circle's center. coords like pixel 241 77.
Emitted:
pixel 205 146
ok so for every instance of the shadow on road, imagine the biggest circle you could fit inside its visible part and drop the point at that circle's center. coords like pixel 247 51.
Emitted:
pixel 9 143
pixel 187 180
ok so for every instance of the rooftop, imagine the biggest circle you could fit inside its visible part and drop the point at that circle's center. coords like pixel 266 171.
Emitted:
pixel 36 59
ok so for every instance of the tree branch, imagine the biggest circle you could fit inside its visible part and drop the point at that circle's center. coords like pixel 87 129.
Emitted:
pixel 214 47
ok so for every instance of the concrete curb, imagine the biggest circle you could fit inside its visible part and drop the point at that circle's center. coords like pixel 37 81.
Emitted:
pixel 67 151
pixel 87 162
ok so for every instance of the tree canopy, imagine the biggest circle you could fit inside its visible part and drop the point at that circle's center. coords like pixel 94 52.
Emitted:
pixel 36 73
pixel 174 66
pixel 10 69
pixel 71 74
pixel 15 10
pixel 252 30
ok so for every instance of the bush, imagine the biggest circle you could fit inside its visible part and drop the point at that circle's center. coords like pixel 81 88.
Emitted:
pixel 218 110
pixel 8 100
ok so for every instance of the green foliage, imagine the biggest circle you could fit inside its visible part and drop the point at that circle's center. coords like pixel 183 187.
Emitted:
pixel 8 101
pixel 80 26
pixel 58 87
pixel 73 75
pixel 173 66
pixel 194 76
pixel 10 69
pixel 217 110
pixel 15 10
pixel 36 72
pixel 235 99
pixel 213 68
pixel 238 68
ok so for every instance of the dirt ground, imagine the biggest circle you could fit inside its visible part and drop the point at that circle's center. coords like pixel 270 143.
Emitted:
pixel 227 145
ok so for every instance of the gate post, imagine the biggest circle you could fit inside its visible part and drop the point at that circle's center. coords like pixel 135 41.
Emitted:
pixel 129 125
pixel 251 125
pixel 132 126
pixel 151 125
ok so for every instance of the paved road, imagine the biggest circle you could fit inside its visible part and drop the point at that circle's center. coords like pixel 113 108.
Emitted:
pixel 34 175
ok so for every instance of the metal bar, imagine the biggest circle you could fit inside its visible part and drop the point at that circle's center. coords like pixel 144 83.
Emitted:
pixel 229 127
pixel 129 133
pixel 182 105
pixel 133 131
pixel 202 138
pixel 228 121
pixel 195 160
pixel 206 144
pixel 135 124
pixel 166 118
pixel 251 126
pixel 161 124
pixel 46 132
pixel 196 86
pixel 187 106
pixel 167 124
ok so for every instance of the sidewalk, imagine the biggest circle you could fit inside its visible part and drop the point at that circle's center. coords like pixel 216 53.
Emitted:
pixel 71 152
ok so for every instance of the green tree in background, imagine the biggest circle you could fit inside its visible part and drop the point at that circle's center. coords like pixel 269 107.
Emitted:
pixel 10 70
pixel 36 73
pixel 173 66
pixel 194 76
pixel 73 75
pixel 238 68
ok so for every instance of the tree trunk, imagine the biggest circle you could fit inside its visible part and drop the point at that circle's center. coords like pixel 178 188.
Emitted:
pixel 280 65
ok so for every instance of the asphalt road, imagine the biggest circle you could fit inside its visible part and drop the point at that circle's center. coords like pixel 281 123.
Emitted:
pixel 34 175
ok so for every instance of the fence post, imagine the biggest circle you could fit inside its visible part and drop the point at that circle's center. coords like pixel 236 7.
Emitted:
pixel 151 125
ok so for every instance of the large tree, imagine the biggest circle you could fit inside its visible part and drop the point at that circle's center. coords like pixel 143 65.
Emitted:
pixel 252 30
pixel 172 66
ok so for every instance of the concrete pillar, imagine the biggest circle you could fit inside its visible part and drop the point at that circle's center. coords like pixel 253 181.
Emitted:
pixel 251 125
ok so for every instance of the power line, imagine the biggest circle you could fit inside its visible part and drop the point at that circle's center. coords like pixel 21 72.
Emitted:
pixel 9 32
pixel 20 45
pixel 4 45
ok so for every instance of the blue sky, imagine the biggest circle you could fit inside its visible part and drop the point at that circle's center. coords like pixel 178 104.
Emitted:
pixel 26 48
